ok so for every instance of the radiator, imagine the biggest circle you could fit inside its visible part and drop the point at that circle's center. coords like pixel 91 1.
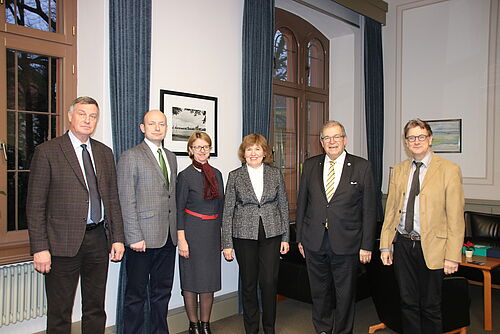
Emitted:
pixel 22 293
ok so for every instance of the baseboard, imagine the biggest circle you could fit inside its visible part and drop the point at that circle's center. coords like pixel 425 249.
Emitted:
pixel 224 306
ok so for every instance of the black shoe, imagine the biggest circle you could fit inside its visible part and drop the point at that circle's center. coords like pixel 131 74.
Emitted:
pixel 205 328
pixel 194 328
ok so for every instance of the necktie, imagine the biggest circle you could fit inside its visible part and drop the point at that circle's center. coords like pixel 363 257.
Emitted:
pixel 95 198
pixel 414 191
pixel 163 166
pixel 330 181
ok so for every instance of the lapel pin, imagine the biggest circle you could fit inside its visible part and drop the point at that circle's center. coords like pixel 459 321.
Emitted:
pixel 348 164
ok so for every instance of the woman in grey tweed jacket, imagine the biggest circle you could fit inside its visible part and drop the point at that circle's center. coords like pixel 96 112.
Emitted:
pixel 255 227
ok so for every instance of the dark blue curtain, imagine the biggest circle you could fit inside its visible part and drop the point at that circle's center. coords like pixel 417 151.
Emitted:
pixel 258 32
pixel 130 64
pixel 374 103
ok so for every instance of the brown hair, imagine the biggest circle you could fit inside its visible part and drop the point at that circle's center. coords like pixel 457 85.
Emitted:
pixel 198 135
pixel 82 100
pixel 255 139
pixel 417 123
pixel 331 124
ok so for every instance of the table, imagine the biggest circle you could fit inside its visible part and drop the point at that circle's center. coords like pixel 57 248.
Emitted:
pixel 489 263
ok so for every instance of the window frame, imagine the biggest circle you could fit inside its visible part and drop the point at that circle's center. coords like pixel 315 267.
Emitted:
pixel 303 32
pixel 14 245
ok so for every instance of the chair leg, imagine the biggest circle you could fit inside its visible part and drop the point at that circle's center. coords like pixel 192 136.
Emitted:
pixel 374 328
pixel 462 330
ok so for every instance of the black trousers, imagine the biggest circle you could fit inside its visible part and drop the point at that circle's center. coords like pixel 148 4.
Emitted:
pixel 419 287
pixel 332 280
pixel 91 265
pixel 259 261
pixel 156 267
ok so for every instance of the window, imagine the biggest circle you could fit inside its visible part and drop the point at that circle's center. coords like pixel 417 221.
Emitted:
pixel 300 96
pixel 38 82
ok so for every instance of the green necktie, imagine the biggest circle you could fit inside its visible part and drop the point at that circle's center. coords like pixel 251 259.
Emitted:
pixel 163 166
pixel 330 181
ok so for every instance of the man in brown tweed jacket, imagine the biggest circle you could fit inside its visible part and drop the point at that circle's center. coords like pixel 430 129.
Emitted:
pixel 74 219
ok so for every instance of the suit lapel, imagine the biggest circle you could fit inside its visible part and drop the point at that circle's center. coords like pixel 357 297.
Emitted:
pixel 433 168
pixel 266 191
pixel 152 159
pixel 345 177
pixel 70 154
pixel 248 183
pixel 319 173
pixel 171 163
pixel 98 161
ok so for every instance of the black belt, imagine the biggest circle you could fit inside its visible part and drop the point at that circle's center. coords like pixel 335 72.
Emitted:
pixel 93 226
pixel 412 237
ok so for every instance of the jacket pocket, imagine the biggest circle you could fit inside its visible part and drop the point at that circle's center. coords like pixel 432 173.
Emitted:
pixel 146 214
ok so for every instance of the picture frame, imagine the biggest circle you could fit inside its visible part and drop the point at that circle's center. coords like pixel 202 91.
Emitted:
pixel 446 135
pixel 185 114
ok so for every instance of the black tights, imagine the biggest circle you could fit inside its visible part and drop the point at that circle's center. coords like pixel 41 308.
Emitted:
pixel 191 304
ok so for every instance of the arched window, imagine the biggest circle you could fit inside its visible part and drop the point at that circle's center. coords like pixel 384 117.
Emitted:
pixel 300 96
pixel 285 56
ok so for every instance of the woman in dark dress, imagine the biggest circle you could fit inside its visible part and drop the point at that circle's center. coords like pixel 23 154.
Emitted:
pixel 200 203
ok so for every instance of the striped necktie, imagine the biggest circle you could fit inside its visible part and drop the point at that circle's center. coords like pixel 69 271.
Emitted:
pixel 330 181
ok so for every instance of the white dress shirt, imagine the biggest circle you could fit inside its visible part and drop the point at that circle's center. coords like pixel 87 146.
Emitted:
pixel 154 149
pixel 416 216
pixel 79 151
pixel 257 179
pixel 339 166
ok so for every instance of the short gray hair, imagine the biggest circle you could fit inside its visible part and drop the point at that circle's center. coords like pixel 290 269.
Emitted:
pixel 331 124
pixel 82 100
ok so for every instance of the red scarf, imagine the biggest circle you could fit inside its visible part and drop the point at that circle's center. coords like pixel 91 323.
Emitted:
pixel 210 187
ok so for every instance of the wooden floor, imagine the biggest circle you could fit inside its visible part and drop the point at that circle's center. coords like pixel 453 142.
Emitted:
pixel 295 317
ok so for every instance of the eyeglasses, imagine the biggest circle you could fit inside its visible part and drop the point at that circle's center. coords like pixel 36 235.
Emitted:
pixel 335 138
pixel 199 148
pixel 412 139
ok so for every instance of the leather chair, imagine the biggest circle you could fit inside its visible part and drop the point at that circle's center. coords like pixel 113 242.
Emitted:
pixel 455 299
pixel 483 229
pixel 293 280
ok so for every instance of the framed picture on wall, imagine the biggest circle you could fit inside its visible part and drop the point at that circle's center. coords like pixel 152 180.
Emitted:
pixel 446 135
pixel 185 114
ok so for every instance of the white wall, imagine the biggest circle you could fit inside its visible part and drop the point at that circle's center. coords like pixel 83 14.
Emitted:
pixel 196 48
pixel 439 59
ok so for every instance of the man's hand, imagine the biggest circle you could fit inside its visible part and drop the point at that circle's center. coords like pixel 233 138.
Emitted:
pixel 139 246
pixel 117 250
pixel 228 254
pixel 365 256
pixel 450 267
pixel 183 246
pixel 42 261
pixel 284 248
pixel 301 250
pixel 386 257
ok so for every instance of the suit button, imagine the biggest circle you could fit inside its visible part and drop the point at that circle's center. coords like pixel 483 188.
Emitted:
pixel 258 206
pixel 169 211
pixel 168 196
pixel 327 206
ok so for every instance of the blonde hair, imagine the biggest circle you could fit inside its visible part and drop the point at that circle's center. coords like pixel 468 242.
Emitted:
pixel 197 135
